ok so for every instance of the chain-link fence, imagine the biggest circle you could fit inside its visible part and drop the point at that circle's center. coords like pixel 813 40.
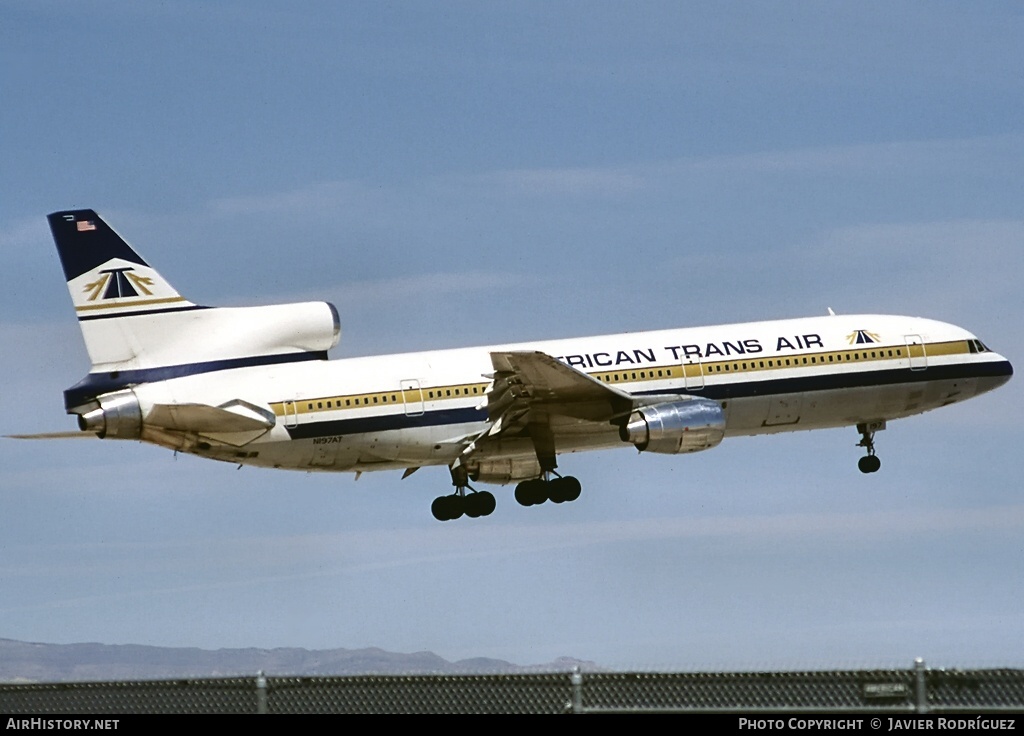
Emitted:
pixel 915 690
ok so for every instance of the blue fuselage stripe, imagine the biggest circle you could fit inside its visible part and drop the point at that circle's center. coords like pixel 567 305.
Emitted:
pixel 720 392
pixel 384 422
pixel 831 381
pixel 95 384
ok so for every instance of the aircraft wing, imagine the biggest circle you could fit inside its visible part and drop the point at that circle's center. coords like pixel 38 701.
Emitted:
pixel 235 416
pixel 235 422
pixel 531 386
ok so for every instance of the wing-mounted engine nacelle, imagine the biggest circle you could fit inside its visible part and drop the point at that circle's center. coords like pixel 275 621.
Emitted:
pixel 118 416
pixel 675 427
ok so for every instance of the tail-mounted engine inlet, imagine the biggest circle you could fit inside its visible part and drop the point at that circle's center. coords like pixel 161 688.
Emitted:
pixel 118 416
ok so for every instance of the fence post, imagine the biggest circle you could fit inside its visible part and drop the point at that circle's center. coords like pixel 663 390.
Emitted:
pixel 920 686
pixel 576 679
pixel 261 693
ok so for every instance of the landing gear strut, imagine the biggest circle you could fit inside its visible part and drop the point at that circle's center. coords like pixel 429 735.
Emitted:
pixel 550 485
pixel 474 504
pixel 870 462
pixel 558 489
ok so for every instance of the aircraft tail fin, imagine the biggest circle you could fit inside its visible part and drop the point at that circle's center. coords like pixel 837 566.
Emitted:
pixel 105 276
pixel 138 328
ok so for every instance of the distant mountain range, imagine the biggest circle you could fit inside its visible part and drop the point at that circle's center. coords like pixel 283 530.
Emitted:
pixel 30 662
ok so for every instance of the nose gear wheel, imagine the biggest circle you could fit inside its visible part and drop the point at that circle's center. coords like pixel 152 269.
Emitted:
pixel 870 462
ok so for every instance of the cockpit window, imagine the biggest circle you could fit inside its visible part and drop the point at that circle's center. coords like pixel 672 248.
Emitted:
pixel 977 346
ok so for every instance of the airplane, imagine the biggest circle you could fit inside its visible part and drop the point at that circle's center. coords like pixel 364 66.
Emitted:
pixel 254 386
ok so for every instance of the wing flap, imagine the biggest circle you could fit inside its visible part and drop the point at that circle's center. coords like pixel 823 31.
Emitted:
pixel 534 382
pixel 233 416
pixel 532 394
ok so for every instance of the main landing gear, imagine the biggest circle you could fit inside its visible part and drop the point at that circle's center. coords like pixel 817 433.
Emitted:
pixel 870 462
pixel 473 505
pixel 549 486
pixel 559 489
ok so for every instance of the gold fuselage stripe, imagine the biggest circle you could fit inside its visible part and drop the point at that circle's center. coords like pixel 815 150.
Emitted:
pixel 399 397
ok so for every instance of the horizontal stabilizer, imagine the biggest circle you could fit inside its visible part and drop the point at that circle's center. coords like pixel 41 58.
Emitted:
pixel 234 416
pixel 75 435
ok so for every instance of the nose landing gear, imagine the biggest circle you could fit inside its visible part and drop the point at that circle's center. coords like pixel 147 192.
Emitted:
pixel 870 462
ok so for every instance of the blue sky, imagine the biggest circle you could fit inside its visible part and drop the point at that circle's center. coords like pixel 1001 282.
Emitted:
pixel 452 174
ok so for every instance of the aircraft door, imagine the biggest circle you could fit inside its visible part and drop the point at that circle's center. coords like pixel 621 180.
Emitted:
pixel 693 374
pixel 917 352
pixel 412 397
pixel 291 413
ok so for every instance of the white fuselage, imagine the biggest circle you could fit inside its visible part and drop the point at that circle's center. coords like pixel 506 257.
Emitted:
pixel 416 409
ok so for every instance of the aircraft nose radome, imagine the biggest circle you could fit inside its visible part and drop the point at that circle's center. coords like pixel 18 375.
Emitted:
pixel 1002 373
